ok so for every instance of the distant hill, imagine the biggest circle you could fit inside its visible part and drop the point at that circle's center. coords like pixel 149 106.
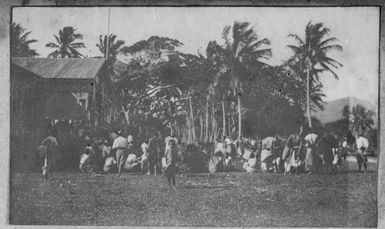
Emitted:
pixel 333 109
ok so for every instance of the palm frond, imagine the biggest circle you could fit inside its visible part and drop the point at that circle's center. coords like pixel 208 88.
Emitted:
pixel 327 42
pixel 327 68
pixel 333 62
pixel 51 45
pixel 332 47
pixel 257 43
pixel 78 45
pixel 297 38
pixel 263 53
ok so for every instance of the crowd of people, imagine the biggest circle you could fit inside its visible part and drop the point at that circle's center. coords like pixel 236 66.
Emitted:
pixel 300 152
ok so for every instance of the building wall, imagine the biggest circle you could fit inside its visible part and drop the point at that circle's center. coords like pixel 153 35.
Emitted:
pixel 27 99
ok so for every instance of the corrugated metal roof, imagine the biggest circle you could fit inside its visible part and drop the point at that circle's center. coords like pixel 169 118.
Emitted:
pixel 61 68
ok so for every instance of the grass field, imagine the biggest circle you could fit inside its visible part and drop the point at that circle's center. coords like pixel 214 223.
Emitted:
pixel 224 199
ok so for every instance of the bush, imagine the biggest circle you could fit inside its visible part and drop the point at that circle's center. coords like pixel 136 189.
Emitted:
pixel 195 159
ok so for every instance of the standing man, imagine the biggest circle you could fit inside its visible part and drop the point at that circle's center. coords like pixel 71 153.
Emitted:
pixel 291 152
pixel 153 153
pixel 326 147
pixel 120 147
pixel 171 155
pixel 268 160
pixel 311 156
pixel 362 145
pixel 344 149
pixel 45 151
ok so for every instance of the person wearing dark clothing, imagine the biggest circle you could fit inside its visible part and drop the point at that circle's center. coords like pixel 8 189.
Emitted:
pixel 325 149
pixel 153 154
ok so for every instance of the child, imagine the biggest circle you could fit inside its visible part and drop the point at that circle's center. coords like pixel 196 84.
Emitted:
pixel 171 157
pixel 251 164
pixel 216 163
pixel 85 159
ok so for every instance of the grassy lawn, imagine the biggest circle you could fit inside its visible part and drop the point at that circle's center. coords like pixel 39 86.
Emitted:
pixel 224 199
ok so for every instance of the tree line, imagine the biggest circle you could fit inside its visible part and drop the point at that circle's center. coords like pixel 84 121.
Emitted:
pixel 226 90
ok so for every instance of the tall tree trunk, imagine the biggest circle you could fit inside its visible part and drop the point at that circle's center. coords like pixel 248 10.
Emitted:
pixel 201 127
pixel 126 115
pixel 215 126
pixel 188 129
pixel 207 119
pixel 239 116
pixel 193 138
pixel 308 95
pixel 229 125
pixel 223 118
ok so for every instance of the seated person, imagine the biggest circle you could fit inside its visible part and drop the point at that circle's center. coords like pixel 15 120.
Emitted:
pixel 216 163
pixel 228 162
pixel 85 159
pixel 105 150
pixel 337 158
pixel 109 164
pixel 132 163
pixel 251 164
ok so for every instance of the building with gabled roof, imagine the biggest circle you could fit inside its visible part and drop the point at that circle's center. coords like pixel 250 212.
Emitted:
pixel 57 89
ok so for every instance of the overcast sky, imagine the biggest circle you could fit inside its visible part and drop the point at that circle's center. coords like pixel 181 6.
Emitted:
pixel 357 29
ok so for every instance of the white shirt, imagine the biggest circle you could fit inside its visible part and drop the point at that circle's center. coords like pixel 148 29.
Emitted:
pixel 252 162
pixel 228 141
pixel 311 138
pixel 106 150
pixel 120 142
pixel 345 144
pixel 84 158
pixel 109 161
pixel 130 138
pixel 220 147
pixel 144 147
pixel 131 158
pixel 362 142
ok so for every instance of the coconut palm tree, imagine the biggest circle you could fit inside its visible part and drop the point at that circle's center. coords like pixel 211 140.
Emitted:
pixel 66 45
pixel 362 119
pixel 312 55
pixel 113 45
pixel 20 43
pixel 113 49
pixel 244 50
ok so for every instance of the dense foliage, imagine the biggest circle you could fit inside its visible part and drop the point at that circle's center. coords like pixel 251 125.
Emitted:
pixel 227 90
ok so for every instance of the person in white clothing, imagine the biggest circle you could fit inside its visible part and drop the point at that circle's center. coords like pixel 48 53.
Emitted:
pixel 109 164
pixel 310 157
pixel 120 147
pixel 362 145
pixel 251 164
pixel 85 159
pixel 144 159
pixel 344 148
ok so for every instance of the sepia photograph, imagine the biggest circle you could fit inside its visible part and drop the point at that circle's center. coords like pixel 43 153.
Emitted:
pixel 194 116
